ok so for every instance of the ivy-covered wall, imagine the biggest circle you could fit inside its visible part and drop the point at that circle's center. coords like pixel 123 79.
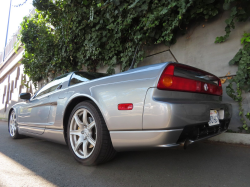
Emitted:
pixel 66 34
pixel 197 48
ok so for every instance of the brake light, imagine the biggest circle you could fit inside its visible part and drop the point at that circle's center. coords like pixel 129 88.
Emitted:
pixel 168 81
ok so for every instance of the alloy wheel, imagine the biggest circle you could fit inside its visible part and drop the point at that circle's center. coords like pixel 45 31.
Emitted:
pixel 83 133
pixel 12 124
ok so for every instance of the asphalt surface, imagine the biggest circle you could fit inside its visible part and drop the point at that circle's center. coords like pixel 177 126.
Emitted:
pixel 34 162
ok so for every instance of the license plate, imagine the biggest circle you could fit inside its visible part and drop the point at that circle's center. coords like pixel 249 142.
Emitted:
pixel 214 118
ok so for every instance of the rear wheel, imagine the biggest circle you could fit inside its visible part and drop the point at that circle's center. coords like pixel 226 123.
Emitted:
pixel 88 136
pixel 12 126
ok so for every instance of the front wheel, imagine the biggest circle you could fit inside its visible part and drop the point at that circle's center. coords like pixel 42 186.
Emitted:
pixel 12 126
pixel 88 136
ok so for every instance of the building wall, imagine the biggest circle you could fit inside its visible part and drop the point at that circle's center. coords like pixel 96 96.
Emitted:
pixel 196 48
pixel 11 76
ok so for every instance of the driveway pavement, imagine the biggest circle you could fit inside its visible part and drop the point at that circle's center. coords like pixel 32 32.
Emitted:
pixel 34 162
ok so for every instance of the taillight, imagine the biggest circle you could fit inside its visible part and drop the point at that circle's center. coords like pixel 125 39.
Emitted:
pixel 168 81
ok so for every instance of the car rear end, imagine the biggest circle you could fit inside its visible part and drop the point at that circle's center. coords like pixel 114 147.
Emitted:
pixel 186 102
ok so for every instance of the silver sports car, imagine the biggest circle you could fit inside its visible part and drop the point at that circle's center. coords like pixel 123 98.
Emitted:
pixel 162 105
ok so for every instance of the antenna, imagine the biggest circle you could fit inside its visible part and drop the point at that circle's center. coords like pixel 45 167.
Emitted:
pixel 132 64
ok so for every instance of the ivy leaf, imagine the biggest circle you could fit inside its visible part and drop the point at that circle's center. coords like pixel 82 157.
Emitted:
pixel 245 127
pixel 232 62
pixel 248 115
pixel 85 2
pixel 226 6
pixel 219 39
pixel 164 10
pixel 117 2
pixel 133 5
pixel 209 1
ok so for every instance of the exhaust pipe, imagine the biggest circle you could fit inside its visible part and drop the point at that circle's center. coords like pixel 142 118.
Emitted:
pixel 186 143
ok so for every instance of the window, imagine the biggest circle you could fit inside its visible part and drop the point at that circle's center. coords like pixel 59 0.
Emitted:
pixel 52 86
pixel 79 77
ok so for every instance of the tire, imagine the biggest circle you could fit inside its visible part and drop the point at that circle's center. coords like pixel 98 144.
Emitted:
pixel 12 126
pixel 87 135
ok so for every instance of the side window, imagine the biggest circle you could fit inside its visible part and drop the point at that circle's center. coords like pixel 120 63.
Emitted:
pixel 42 92
pixel 48 88
pixel 77 78
pixel 53 88
pixel 53 85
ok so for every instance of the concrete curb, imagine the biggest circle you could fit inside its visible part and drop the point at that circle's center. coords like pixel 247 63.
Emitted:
pixel 234 138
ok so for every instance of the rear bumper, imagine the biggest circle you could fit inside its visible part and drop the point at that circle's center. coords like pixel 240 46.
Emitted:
pixel 172 118
pixel 138 140
pixel 175 110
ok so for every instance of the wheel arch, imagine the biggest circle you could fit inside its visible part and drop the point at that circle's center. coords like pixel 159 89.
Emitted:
pixel 11 109
pixel 70 106
pixel 9 113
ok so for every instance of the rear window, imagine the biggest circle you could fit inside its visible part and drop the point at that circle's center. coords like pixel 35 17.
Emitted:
pixel 196 74
pixel 79 77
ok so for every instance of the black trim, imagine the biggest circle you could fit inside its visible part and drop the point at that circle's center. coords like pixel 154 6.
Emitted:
pixel 201 131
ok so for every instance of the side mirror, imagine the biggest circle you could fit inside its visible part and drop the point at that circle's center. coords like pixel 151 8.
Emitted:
pixel 25 96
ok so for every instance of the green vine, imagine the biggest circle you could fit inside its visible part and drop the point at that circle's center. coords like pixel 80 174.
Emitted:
pixel 239 11
pixel 241 82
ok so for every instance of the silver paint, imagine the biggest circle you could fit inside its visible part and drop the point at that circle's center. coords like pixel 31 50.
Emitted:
pixel 172 109
pixel 12 124
pixel 134 140
pixel 83 133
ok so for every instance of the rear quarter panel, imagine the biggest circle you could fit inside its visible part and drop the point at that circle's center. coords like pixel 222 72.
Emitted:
pixel 127 87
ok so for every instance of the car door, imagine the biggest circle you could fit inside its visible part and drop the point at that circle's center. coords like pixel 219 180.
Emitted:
pixel 57 102
pixel 33 115
pixel 59 97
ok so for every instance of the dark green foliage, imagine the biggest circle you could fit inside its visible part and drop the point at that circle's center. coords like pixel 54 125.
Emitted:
pixel 65 35
pixel 40 55
pixel 242 78
pixel 239 12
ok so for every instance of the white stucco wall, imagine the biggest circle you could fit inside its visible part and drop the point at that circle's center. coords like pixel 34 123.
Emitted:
pixel 11 76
